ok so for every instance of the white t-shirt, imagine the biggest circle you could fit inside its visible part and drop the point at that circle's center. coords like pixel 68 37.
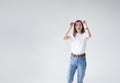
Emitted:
pixel 78 43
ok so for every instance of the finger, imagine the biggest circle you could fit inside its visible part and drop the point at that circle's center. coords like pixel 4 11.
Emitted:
pixel 83 21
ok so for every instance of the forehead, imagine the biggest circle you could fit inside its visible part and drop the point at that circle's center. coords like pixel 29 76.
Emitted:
pixel 78 23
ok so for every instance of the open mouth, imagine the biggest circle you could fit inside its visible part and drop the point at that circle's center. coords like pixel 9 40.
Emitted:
pixel 78 28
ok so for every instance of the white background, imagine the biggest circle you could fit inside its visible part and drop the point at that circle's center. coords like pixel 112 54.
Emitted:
pixel 32 49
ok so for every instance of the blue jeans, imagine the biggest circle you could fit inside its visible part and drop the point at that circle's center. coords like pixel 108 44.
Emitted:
pixel 78 64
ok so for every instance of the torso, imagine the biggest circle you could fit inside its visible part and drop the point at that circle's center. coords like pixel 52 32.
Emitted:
pixel 78 43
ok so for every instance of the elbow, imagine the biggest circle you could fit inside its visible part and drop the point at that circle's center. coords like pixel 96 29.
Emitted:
pixel 64 38
pixel 89 36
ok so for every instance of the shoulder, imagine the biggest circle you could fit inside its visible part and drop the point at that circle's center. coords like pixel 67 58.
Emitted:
pixel 71 35
pixel 84 34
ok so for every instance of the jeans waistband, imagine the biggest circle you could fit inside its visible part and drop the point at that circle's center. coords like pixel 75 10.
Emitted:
pixel 78 56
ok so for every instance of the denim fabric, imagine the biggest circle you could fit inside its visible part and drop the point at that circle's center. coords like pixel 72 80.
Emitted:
pixel 78 64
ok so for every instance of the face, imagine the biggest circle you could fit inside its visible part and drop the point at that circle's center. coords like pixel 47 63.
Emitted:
pixel 78 27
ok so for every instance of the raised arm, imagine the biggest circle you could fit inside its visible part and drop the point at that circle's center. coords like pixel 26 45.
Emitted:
pixel 87 31
pixel 66 36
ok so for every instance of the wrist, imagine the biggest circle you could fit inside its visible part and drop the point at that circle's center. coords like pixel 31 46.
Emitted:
pixel 85 26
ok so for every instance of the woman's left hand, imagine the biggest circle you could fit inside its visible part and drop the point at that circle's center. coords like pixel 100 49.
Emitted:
pixel 84 23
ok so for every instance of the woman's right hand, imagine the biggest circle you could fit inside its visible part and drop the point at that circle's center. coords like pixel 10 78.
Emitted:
pixel 71 24
pixel 66 36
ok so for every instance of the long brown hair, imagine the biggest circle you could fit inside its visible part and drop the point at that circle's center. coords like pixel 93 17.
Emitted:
pixel 75 31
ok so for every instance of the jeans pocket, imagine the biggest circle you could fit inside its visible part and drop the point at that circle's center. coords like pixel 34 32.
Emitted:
pixel 72 60
pixel 83 60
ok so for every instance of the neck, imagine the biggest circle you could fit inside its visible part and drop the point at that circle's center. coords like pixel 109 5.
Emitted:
pixel 79 32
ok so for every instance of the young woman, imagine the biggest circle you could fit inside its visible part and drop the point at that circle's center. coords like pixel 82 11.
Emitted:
pixel 78 40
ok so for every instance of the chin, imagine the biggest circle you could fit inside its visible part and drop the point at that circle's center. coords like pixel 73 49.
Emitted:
pixel 78 31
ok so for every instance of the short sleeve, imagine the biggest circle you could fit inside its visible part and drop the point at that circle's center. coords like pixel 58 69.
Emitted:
pixel 85 35
pixel 71 36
